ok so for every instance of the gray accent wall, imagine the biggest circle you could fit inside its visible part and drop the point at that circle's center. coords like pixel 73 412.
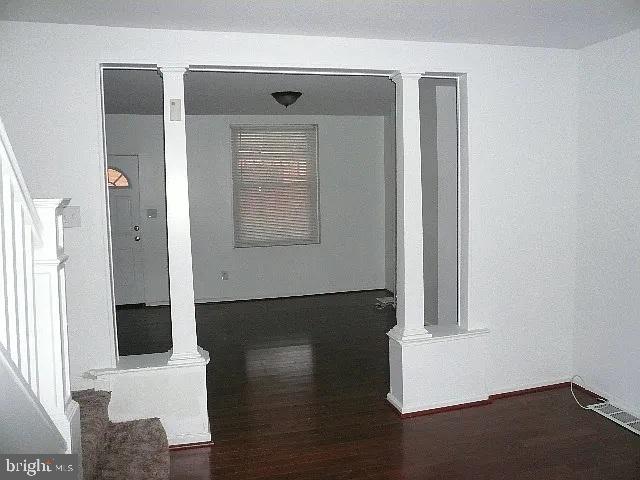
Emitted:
pixel 439 144
pixel 429 149
pixel 447 146
pixel 390 203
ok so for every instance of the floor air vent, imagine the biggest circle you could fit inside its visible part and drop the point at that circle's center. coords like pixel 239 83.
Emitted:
pixel 617 415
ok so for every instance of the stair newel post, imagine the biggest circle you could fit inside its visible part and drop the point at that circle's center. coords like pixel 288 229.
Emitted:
pixel 51 317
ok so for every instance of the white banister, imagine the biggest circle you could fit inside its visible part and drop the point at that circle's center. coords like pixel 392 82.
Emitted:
pixel 33 321
pixel 51 316
pixel 21 291
pixel 22 192
pixel 32 332
pixel 10 325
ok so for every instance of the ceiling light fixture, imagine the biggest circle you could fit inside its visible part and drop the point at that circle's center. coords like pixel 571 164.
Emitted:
pixel 286 98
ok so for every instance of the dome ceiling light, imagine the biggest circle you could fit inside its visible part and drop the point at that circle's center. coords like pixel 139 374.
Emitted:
pixel 286 98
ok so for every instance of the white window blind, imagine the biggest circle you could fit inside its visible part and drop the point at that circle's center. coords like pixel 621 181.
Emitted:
pixel 275 185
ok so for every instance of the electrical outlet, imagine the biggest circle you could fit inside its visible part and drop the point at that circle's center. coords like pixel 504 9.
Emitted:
pixel 224 275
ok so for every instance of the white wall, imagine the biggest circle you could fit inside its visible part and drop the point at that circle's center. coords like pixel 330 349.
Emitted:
pixel 521 104
pixel 351 180
pixel 607 329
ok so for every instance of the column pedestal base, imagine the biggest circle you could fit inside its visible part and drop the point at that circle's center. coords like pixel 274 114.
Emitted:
pixel 199 357
pixel 439 369
pixel 144 386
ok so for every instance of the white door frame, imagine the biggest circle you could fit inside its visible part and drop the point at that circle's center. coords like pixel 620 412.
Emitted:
pixel 462 150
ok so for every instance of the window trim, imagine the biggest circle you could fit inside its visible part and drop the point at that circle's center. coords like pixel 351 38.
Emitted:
pixel 317 185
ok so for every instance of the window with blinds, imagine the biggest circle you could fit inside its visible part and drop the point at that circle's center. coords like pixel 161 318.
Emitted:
pixel 275 185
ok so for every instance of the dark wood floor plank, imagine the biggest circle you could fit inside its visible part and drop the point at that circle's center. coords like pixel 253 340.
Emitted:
pixel 297 391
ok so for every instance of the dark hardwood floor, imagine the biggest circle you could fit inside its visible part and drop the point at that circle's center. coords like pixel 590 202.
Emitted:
pixel 296 391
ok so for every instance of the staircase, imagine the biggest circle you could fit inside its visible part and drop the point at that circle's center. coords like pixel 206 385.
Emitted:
pixel 37 410
pixel 134 450
pixel 34 363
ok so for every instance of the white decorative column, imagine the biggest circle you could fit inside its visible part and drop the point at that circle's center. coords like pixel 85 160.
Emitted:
pixel 428 370
pixel 410 279
pixel 183 318
pixel 171 386
pixel 409 328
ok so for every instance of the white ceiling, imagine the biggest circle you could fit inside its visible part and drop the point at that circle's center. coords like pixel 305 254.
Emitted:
pixel 549 23
pixel 217 93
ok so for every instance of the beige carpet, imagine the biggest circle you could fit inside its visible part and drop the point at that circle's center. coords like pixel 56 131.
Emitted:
pixel 135 450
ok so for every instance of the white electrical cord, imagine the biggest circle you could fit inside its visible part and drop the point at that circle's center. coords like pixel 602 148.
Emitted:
pixel 602 400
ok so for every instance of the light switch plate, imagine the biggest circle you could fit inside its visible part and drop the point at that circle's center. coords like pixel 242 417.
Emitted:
pixel 71 217
pixel 175 109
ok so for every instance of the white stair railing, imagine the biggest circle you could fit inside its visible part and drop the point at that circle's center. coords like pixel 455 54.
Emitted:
pixel 33 321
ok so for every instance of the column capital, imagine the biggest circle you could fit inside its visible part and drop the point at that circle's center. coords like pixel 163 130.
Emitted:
pixel 173 68
pixel 399 76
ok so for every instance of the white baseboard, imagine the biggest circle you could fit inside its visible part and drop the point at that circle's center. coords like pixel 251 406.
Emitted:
pixel 394 401
pixel 72 412
pixel 527 385
pixel 82 383
pixel 187 438
pixel 404 409
pixel 165 302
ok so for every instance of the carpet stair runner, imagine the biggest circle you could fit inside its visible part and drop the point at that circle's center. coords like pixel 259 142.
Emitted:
pixel 134 450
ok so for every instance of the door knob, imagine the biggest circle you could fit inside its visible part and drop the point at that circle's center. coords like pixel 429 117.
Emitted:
pixel 136 238
pixel 136 227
